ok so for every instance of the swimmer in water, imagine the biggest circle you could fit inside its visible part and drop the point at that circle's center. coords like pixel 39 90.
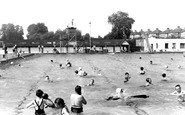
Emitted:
pixel 48 79
pixel 60 65
pixel 164 78
pixel 166 66
pixel 91 83
pixel 68 63
pixel 39 103
pixel 127 77
pixel 148 82
pixel 121 94
pixel 80 72
pixel 60 104
pixel 180 93
pixel 179 66
pixel 142 72
pixel 77 101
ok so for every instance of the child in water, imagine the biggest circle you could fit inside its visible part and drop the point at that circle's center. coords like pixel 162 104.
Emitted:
pixel 80 72
pixel 91 83
pixel 60 104
pixel 164 77
pixel 48 79
pixel 180 93
pixel 142 72
pixel 39 103
pixel 68 63
pixel 148 82
pixel 127 77
pixel 120 94
pixel 77 101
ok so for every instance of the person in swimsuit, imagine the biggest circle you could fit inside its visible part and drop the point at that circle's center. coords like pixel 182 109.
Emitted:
pixel 60 104
pixel 180 93
pixel 121 94
pixel 39 103
pixel 77 101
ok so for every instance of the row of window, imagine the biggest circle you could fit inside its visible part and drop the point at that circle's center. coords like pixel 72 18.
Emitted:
pixel 182 45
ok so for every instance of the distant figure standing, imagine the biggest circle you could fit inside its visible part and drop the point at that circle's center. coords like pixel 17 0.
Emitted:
pixel 15 49
pixel 42 49
pixel 77 101
pixel 5 48
pixel 39 47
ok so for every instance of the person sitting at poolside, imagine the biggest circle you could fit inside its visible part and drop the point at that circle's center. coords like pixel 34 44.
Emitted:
pixel 39 103
pixel 77 101
pixel 120 94
pixel 60 104
pixel 180 93
pixel 142 72
pixel 68 63
pixel 127 77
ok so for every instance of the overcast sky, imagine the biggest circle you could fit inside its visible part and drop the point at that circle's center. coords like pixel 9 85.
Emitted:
pixel 57 14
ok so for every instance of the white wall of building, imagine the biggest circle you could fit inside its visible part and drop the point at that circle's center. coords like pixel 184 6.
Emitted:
pixel 169 42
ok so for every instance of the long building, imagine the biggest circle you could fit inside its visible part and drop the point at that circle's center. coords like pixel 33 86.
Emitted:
pixel 161 41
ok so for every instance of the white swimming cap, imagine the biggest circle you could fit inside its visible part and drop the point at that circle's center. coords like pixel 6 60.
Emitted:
pixel 80 68
pixel 119 90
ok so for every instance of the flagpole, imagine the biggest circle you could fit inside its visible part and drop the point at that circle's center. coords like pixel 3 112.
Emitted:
pixel 60 45
pixel 90 34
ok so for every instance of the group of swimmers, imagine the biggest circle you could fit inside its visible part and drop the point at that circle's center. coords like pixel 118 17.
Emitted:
pixel 77 99
pixel 42 101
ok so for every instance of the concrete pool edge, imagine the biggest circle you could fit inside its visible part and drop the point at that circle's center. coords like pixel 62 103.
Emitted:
pixel 16 58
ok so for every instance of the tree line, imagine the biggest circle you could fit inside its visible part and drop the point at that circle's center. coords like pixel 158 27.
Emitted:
pixel 120 21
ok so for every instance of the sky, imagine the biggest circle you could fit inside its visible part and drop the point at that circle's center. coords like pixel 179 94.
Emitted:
pixel 58 14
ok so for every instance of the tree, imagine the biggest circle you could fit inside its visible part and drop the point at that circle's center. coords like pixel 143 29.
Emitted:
pixel 121 24
pixel 86 36
pixel 59 34
pixel 48 36
pixel 10 32
pixel 99 37
pixel 36 31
